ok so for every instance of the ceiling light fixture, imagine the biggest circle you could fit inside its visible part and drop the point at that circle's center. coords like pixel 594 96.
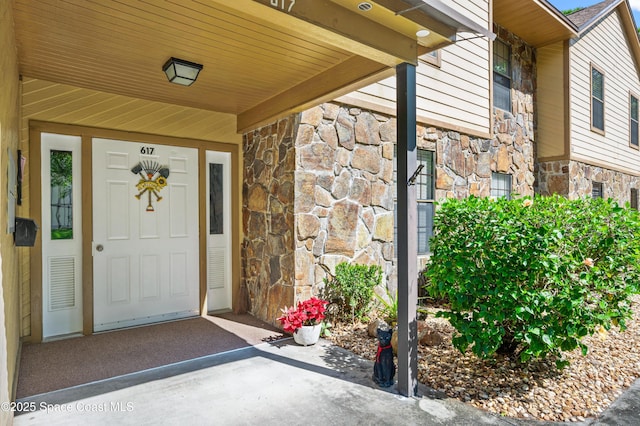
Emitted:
pixel 181 72
pixel 365 6
pixel 422 33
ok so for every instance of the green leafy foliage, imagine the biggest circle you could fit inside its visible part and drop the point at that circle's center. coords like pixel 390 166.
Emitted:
pixel 533 277
pixel 326 329
pixel 61 171
pixel 388 306
pixel 61 234
pixel 350 291
pixel 61 163
pixel 571 11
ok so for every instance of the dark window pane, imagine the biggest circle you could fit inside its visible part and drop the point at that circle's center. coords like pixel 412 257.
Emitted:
pixel 425 183
pixel 425 191
pixel 501 185
pixel 633 121
pixel 501 80
pixel 501 92
pixel 598 114
pixel 215 199
pixel 502 58
pixel 61 195
pixel 501 75
pixel 425 226
pixel 634 199
pixel 597 99
pixel 597 84
pixel 596 191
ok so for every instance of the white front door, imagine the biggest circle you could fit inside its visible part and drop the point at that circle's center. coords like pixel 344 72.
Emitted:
pixel 61 235
pixel 218 231
pixel 145 233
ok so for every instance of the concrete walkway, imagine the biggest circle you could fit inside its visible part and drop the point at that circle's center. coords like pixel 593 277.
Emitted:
pixel 268 384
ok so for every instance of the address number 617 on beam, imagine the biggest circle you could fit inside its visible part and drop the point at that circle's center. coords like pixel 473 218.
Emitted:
pixel 282 4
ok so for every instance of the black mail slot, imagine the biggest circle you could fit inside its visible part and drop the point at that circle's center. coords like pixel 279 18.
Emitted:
pixel 25 233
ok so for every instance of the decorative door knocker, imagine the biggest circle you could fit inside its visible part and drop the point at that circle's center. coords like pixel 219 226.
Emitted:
pixel 154 178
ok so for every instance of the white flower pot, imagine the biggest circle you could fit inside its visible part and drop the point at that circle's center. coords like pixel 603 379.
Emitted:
pixel 307 335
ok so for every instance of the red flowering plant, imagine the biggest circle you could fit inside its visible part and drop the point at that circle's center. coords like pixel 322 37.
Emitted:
pixel 308 312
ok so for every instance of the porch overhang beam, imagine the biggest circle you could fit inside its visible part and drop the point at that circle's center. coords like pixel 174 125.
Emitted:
pixel 336 25
pixel 339 80
pixel 436 16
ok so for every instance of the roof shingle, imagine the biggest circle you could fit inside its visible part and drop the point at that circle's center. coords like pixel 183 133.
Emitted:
pixel 586 15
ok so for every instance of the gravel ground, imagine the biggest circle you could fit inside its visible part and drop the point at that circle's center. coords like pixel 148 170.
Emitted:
pixel 537 391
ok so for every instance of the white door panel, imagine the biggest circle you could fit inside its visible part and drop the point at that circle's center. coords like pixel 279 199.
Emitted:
pixel 145 233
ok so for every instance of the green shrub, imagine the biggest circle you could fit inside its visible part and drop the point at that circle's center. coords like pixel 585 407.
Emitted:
pixel 350 291
pixel 533 277
pixel 427 295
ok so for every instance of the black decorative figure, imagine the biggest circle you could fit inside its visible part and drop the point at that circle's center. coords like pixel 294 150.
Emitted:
pixel 384 369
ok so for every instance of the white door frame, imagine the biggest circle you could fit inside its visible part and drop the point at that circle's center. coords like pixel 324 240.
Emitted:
pixel 219 294
pixel 83 219
pixel 61 258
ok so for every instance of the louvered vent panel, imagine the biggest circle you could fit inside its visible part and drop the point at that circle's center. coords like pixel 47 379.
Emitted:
pixel 215 271
pixel 62 279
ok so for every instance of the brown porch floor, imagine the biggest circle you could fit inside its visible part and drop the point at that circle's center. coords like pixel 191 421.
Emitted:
pixel 45 367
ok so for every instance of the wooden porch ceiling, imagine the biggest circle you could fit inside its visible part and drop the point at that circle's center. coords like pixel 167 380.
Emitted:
pixel 535 21
pixel 262 58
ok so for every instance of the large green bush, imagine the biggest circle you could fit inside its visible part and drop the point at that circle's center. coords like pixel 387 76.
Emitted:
pixel 350 291
pixel 533 277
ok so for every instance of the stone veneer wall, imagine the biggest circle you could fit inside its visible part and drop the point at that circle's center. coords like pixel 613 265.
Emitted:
pixel 267 217
pixel 574 179
pixel 343 192
pixel 345 189
pixel 344 173
pixel 464 163
pixel 335 202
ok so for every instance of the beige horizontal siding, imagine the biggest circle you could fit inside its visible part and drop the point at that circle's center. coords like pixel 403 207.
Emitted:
pixel 456 93
pixel 47 101
pixel 606 47
pixel 551 101
pixel 12 262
